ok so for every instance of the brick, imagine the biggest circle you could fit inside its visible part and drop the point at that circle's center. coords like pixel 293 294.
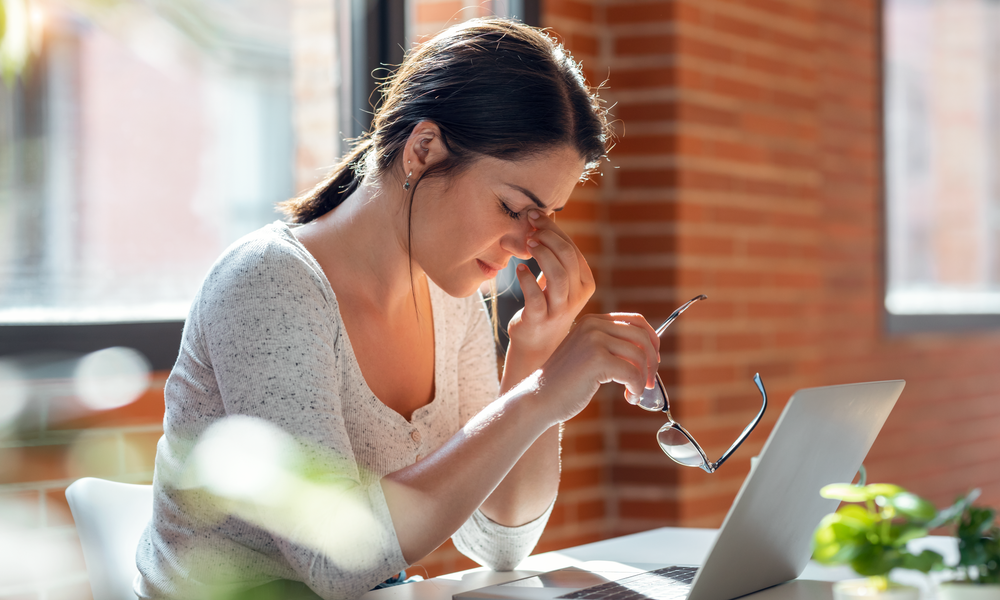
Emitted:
pixel 641 277
pixel 588 443
pixel 572 9
pixel 592 510
pixel 663 475
pixel 646 244
pixel 647 178
pixel 645 44
pixel 649 509
pixel 646 145
pixel 639 12
pixel 580 478
pixel 641 79
pixel 624 212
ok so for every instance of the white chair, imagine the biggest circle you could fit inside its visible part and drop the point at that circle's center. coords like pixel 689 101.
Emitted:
pixel 110 517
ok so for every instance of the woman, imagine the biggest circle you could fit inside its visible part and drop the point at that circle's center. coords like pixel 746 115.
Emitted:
pixel 360 332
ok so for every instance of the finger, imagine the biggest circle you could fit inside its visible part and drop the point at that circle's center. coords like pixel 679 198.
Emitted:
pixel 540 220
pixel 556 282
pixel 535 306
pixel 565 250
pixel 579 268
pixel 628 327
pixel 639 376
pixel 640 321
pixel 545 226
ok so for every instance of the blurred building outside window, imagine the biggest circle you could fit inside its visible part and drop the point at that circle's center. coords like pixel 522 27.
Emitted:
pixel 142 139
pixel 942 145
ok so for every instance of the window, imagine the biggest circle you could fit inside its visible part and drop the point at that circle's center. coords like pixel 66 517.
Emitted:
pixel 942 144
pixel 141 141
pixel 148 136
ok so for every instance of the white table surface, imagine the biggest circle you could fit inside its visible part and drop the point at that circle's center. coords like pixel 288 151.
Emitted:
pixel 646 550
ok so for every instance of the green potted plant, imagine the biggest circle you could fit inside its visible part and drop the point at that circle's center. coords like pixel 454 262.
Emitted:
pixel 869 534
pixel 978 565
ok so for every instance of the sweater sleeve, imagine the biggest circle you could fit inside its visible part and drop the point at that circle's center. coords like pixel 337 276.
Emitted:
pixel 265 314
pixel 484 541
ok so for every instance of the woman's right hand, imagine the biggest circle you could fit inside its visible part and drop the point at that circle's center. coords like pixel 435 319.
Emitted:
pixel 619 347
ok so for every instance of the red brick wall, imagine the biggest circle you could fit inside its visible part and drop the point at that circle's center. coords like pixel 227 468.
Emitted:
pixel 749 170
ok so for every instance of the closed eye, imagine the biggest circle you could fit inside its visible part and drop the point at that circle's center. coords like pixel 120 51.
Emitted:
pixel 514 215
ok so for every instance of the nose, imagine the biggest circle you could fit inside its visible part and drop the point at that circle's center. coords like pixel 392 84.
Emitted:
pixel 516 243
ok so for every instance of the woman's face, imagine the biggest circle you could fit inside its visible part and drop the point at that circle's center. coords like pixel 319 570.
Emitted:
pixel 465 228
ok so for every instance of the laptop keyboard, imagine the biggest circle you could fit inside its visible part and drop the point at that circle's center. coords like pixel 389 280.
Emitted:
pixel 668 583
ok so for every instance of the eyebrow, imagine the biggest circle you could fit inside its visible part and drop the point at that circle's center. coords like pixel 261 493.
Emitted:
pixel 533 197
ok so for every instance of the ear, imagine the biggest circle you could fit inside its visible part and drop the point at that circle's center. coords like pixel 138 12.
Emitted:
pixel 423 148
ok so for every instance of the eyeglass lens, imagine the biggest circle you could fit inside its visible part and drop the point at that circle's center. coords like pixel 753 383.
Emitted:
pixel 653 399
pixel 677 446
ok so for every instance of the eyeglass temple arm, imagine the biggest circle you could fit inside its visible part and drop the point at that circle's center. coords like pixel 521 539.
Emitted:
pixel 677 313
pixel 750 427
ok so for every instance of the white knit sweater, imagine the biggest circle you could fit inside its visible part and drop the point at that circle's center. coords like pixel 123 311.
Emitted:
pixel 264 338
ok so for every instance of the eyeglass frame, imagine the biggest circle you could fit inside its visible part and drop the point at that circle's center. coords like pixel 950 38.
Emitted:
pixel 706 465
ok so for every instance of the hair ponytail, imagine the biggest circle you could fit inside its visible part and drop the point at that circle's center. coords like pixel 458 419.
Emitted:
pixel 328 194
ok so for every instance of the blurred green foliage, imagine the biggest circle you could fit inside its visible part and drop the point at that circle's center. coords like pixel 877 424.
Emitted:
pixel 978 544
pixel 870 533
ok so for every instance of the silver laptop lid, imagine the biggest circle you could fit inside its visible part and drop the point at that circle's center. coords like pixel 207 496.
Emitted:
pixel 822 437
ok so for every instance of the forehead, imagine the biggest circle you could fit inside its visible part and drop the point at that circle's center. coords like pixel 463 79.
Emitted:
pixel 550 175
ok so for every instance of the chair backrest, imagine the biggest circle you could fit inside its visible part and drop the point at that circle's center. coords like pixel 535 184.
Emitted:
pixel 110 517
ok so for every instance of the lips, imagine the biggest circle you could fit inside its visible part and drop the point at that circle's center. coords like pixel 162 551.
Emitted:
pixel 488 270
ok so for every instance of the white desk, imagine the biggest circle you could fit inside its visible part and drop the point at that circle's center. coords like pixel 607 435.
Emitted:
pixel 650 549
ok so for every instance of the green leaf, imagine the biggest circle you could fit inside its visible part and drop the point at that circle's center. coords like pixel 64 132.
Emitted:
pixel 838 539
pixel 979 520
pixel 887 490
pixel 901 533
pixel 857 515
pixel 876 560
pixel 924 562
pixel 846 492
pixel 955 510
pixel 911 505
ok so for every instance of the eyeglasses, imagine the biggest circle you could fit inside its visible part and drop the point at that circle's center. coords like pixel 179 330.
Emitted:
pixel 674 440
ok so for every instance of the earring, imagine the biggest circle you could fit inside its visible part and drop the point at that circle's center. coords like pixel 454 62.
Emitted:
pixel 406 185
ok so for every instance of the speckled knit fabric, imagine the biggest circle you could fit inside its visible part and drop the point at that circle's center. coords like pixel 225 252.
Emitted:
pixel 264 338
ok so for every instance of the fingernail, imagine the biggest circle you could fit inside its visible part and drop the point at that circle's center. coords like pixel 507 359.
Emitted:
pixel 534 214
pixel 532 243
pixel 522 268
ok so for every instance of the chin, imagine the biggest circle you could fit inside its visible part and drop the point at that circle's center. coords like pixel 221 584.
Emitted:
pixel 458 288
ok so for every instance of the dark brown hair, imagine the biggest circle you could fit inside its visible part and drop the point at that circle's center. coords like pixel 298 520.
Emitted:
pixel 494 87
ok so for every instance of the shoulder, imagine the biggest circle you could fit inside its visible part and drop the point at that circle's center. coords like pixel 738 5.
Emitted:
pixel 269 259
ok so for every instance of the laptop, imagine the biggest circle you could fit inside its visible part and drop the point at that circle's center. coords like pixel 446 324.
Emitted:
pixel 821 437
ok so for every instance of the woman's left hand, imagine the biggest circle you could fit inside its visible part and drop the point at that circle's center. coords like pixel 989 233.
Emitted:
pixel 552 302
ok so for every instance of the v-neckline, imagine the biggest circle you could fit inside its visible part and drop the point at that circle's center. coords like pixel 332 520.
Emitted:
pixel 433 292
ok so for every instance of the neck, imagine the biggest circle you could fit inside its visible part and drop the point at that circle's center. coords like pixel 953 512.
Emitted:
pixel 369 229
